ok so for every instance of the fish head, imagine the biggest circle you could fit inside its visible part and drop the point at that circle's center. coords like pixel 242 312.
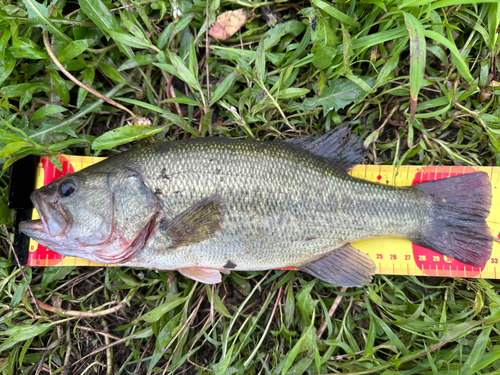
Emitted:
pixel 92 216
pixel 75 211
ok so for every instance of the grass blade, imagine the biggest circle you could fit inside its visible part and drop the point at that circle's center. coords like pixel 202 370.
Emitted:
pixel 97 11
pixel 72 50
pixel 477 352
pixel 39 16
pixel 417 59
pixel 334 12
pixel 224 87
pixel 455 54
pixel 123 135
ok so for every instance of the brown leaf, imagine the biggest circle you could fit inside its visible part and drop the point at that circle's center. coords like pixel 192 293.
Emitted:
pixel 228 24
pixel 413 107
pixel 483 95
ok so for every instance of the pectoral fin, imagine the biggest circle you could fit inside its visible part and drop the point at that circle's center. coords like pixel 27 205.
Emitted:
pixel 203 275
pixel 199 222
pixel 345 266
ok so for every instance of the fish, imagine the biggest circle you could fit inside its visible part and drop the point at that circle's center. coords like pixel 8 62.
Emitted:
pixel 209 206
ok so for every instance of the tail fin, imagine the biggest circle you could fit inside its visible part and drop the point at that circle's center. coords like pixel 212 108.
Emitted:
pixel 460 207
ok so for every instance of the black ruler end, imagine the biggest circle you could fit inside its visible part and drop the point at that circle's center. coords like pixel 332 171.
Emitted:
pixel 21 184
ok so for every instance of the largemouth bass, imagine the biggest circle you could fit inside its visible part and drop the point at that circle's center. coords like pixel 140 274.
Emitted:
pixel 212 205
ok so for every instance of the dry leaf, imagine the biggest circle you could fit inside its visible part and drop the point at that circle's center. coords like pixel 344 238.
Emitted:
pixel 483 96
pixel 228 24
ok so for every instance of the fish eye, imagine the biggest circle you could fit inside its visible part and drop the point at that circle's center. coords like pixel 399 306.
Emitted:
pixel 67 188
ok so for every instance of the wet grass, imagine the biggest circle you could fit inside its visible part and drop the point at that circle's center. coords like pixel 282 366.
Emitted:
pixel 416 80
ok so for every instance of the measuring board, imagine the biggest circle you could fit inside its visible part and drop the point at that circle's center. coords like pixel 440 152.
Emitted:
pixel 393 256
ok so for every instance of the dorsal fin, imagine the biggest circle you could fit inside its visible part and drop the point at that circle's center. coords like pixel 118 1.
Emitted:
pixel 337 146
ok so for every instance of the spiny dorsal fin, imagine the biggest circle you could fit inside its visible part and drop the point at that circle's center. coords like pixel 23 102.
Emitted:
pixel 345 266
pixel 198 223
pixel 337 146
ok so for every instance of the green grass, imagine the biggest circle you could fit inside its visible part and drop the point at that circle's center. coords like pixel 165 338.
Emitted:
pixel 417 80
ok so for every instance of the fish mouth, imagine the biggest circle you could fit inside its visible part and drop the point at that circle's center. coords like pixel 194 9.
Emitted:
pixel 36 230
pixel 53 220
pixel 32 227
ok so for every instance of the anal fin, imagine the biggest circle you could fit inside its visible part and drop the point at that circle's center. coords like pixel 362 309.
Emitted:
pixel 201 274
pixel 345 266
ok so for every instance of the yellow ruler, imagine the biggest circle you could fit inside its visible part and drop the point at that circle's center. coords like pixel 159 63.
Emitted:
pixel 393 256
